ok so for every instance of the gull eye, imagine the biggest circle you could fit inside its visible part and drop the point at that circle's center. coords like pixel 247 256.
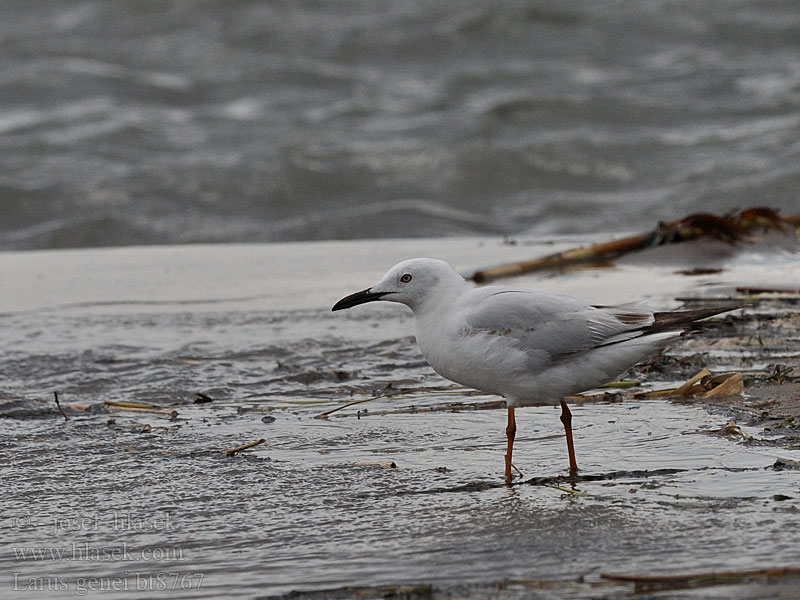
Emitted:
pixel 405 278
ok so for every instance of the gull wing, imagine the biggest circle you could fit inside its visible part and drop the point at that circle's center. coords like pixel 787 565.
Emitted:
pixel 552 323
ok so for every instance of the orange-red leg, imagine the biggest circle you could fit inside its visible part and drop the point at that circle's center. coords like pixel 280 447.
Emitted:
pixel 511 431
pixel 566 419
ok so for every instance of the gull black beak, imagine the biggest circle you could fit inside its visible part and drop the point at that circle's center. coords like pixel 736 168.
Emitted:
pixel 358 298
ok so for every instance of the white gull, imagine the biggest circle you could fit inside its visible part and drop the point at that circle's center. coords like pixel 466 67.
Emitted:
pixel 530 347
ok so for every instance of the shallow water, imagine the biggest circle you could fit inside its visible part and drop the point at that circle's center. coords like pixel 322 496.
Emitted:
pixel 151 503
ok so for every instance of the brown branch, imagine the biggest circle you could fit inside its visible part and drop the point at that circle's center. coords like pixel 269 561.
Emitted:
pixel 58 404
pixel 729 228
pixel 142 406
pixel 233 451
pixel 326 413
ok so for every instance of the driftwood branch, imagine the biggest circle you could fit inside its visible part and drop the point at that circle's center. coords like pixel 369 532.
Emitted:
pixel 58 404
pixel 729 228
pixel 238 449
pixel 142 406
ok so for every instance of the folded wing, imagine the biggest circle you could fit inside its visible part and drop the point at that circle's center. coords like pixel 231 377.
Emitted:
pixel 556 324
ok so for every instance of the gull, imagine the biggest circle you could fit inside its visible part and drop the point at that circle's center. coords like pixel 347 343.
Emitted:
pixel 530 347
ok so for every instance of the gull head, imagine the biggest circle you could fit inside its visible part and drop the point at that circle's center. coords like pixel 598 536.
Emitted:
pixel 412 282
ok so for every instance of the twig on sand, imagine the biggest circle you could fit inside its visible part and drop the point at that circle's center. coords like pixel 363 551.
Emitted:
pixel 238 449
pixel 574 492
pixel 142 406
pixel 325 414
pixel 133 405
pixel 58 404
pixel 397 393
pixel 449 407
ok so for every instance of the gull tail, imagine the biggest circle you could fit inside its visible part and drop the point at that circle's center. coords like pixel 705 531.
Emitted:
pixel 686 321
pixel 662 326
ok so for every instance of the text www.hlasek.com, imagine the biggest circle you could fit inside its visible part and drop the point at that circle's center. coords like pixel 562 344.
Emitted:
pixel 96 553
pixel 128 582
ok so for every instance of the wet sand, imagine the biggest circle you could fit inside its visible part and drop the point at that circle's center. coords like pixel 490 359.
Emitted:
pixel 234 345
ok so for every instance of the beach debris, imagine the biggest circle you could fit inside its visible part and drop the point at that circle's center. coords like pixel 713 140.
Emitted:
pixel 142 427
pixel 621 385
pixel 201 398
pixel 766 218
pixel 649 583
pixel 731 384
pixel 780 374
pixel 237 449
pixel 761 403
pixel 572 490
pixel 732 430
pixel 58 404
pixel 133 405
pixel 686 388
pixel 754 291
pixel 703 383
pixel 338 408
pixel 783 464
pixel 381 464
pixel 142 406
pixel 448 407
pixel 390 391
pixel 730 228
pixel 699 271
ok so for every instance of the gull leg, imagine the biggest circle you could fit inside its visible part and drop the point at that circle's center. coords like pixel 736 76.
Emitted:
pixel 566 419
pixel 511 431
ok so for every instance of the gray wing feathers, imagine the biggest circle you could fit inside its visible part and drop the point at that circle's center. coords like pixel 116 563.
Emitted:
pixel 553 323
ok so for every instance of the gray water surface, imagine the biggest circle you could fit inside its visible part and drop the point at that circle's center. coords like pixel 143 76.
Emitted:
pixel 217 121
